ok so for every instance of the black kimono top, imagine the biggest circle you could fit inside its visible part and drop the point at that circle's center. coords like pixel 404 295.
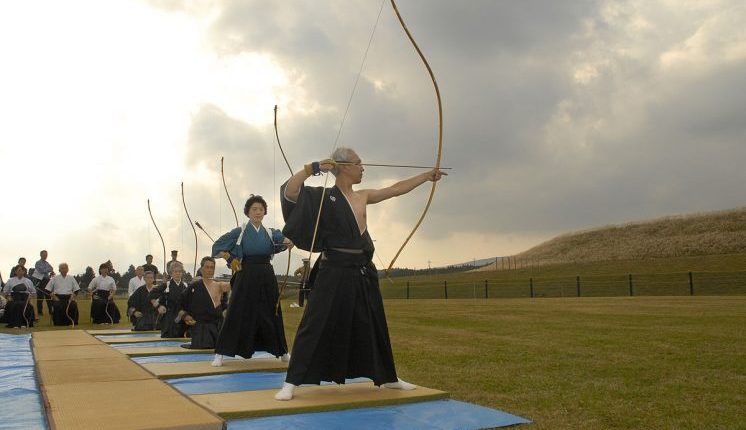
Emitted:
pixel 197 302
pixel 140 301
pixel 338 226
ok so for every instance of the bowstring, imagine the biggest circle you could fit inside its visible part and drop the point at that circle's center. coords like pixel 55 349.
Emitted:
pixel 341 125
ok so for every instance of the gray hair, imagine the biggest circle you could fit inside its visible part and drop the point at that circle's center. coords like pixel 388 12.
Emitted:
pixel 62 264
pixel 342 154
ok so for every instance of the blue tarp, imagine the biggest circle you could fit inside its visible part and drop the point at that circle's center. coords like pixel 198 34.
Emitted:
pixel 19 393
pixel 235 382
pixel 154 344
pixel 436 415
pixel 180 358
pixel 133 334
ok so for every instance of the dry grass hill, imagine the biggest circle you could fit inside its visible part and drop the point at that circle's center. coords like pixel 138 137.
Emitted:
pixel 713 233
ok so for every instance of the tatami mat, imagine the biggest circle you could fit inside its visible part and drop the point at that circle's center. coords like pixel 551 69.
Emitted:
pixel 124 405
pixel 63 338
pixel 202 368
pixel 76 352
pixel 311 399
pixel 55 372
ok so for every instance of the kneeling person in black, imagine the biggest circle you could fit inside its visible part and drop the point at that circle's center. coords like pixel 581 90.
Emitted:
pixel 141 310
pixel 203 307
pixel 168 297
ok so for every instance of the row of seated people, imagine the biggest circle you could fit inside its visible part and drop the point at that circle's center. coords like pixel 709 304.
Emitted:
pixel 179 310
pixel 176 309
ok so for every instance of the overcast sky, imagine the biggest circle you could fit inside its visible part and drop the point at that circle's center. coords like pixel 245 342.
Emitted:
pixel 558 116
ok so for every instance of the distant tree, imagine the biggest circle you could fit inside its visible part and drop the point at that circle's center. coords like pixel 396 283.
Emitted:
pixel 129 274
pixel 86 277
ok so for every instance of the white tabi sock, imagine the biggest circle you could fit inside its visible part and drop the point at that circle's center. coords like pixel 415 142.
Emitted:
pixel 218 361
pixel 400 385
pixel 286 393
pixel 285 358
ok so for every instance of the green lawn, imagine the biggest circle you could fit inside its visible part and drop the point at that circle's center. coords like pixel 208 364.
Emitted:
pixel 576 363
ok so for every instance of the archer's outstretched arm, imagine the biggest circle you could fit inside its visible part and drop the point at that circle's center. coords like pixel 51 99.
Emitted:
pixel 403 187
pixel 296 181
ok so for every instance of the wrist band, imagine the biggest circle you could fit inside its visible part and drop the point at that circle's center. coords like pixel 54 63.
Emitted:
pixel 316 168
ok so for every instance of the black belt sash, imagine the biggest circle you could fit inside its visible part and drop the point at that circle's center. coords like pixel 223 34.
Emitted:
pixel 255 259
pixel 101 294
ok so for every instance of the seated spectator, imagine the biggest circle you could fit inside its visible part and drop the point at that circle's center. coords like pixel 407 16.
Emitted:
pixel 136 282
pixel 63 289
pixel 102 289
pixel 141 310
pixel 203 307
pixel 169 297
pixel 20 312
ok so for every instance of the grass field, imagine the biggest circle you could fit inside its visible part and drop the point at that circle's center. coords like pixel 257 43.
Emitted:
pixel 576 363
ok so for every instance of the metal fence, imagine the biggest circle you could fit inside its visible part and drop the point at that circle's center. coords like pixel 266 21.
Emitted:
pixel 659 284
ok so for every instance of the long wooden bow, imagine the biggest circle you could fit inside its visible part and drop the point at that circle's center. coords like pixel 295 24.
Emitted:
pixel 440 133
pixel 163 243
pixel 225 187
pixel 287 270
pixel 183 201
pixel 67 309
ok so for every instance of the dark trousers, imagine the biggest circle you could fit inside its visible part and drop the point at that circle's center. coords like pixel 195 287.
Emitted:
pixel 43 295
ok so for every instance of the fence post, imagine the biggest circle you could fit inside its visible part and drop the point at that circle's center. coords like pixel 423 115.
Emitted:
pixel 631 290
pixel 486 290
pixel 407 290
pixel 691 284
pixel 531 287
pixel 445 288
pixel 577 284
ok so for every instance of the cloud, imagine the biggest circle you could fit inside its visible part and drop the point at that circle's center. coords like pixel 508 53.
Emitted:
pixel 558 116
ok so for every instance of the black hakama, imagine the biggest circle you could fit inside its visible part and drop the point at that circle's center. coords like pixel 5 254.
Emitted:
pixel 169 296
pixel 197 303
pixel 19 311
pixel 64 310
pixel 103 310
pixel 343 332
pixel 139 302
pixel 251 323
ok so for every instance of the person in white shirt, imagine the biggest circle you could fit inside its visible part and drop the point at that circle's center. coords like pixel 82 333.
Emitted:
pixel 136 282
pixel 20 311
pixel 63 288
pixel 102 289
